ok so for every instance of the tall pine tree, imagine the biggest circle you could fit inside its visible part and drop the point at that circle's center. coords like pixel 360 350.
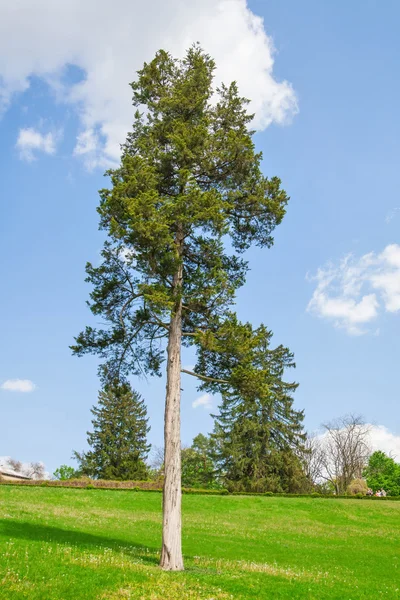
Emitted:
pixel 118 442
pixel 190 180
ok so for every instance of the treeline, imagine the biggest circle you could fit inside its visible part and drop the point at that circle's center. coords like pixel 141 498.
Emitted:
pixel 256 446
pixel 205 466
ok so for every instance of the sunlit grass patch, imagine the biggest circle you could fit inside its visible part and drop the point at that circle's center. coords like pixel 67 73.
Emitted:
pixel 67 544
pixel 164 586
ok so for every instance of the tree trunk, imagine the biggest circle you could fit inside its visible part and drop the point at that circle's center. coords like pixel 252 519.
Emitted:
pixel 171 552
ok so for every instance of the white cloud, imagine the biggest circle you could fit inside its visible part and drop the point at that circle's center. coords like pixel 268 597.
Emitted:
pixel 109 41
pixel 385 440
pixel 354 292
pixel 18 385
pixel 205 401
pixel 31 141
pixel 89 146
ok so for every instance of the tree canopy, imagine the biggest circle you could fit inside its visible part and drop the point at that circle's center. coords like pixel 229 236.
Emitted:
pixel 189 179
pixel 382 472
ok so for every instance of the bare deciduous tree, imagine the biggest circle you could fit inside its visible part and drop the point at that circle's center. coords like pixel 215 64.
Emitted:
pixel 313 458
pixel 157 459
pixel 344 451
pixel 15 465
pixel 35 470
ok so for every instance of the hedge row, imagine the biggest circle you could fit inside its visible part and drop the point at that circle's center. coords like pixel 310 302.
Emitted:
pixel 85 482
pixel 316 495
pixel 154 486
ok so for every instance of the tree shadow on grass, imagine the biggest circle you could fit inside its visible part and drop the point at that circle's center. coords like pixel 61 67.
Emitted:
pixel 47 533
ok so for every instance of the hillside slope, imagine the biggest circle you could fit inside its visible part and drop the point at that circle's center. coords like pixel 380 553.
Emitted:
pixel 77 544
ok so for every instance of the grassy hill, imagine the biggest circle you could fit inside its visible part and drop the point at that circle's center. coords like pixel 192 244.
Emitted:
pixel 63 544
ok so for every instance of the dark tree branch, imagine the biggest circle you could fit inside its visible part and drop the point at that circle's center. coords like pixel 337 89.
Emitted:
pixel 204 377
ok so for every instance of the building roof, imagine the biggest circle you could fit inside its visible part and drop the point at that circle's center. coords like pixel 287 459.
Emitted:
pixel 14 474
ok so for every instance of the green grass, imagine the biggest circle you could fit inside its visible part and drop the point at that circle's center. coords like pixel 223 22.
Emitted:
pixel 77 544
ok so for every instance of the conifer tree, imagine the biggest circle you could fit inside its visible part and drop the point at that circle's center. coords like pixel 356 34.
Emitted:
pixel 258 435
pixel 118 442
pixel 190 180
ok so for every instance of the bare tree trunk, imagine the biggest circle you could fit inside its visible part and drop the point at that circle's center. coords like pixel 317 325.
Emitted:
pixel 171 552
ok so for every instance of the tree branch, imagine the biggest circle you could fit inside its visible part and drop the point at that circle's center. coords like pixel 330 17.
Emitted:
pixel 159 322
pixel 204 377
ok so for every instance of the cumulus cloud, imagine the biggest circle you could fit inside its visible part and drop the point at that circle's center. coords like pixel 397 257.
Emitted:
pixel 383 439
pixel 205 401
pixel 353 293
pixel 109 41
pixel 18 385
pixel 30 141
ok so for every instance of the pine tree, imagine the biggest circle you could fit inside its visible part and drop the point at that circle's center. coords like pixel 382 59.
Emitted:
pixel 118 442
pixel 189 181
pixel 258 435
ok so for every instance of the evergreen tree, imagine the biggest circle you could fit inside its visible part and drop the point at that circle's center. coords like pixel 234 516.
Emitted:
pixel 258 435
pixel 189 180
pixel 118 441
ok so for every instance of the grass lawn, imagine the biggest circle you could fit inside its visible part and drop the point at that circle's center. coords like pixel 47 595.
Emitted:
pixel 81 544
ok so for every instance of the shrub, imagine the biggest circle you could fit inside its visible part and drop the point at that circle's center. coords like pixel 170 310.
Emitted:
pixel 357 487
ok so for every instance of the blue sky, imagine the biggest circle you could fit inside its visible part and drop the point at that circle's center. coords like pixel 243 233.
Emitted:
pixel 328 125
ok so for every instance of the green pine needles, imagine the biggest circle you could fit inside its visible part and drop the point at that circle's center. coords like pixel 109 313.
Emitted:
pixel 189 178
